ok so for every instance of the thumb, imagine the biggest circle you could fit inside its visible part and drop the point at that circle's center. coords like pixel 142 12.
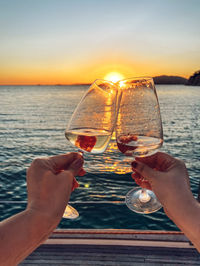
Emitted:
pixel 144 170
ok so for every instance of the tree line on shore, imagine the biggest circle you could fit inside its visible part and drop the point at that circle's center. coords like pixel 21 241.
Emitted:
pixel 194 80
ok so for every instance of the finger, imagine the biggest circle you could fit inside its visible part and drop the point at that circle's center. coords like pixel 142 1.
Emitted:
pixel 82 172
pixel 144 170
pixel 149 160
pixel 75 184
pixel 143 184
pixel 160 160
pixel 63 161
pixel 139 180
pixel 146 184
pixel 76 166
pixel 136 175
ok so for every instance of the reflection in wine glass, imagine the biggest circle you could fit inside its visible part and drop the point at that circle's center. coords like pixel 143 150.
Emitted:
pixel 139 133
pixel 92 123
pixel 113 160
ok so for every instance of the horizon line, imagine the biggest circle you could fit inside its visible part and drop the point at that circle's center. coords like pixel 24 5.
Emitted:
pixel 77 84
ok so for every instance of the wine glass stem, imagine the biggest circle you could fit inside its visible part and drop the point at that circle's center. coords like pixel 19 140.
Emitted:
pixel 144 196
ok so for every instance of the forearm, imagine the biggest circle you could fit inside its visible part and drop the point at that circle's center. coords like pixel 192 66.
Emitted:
pixel 21 234
pixel 187 217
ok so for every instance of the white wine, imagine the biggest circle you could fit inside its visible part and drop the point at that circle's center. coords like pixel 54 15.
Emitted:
pixel 132 145
pixel 89 140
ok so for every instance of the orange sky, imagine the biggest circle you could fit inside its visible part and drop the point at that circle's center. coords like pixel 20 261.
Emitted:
pixel 85 72
pixel 70 43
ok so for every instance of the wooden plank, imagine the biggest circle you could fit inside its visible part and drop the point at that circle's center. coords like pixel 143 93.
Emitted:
pixel 108 248
pixel 120 234
pixel 102 255
pixel 109 242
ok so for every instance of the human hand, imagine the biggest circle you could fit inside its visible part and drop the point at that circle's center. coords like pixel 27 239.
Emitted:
pixel 166 176
pixel 50 182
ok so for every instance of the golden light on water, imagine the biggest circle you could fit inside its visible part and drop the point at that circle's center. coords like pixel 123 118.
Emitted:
pixel 114 76
pixel 87 185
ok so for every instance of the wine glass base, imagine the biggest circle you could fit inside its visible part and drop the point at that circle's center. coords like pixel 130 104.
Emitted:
pixel 134 204
pixel 70 213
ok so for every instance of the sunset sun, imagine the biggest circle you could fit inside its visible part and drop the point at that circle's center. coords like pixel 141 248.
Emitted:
pixel 114 76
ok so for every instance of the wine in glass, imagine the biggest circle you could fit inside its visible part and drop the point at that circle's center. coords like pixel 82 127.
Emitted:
pixel 94 119
pixel 139 133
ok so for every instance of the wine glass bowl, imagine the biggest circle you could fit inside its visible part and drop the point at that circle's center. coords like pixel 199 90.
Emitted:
pixel 139 132
pixel 93 121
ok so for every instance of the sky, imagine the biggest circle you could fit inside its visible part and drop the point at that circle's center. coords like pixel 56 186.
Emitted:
pixel 78 41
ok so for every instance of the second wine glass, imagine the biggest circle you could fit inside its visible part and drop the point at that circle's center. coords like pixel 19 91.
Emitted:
pixel 139 133
pixel 93 121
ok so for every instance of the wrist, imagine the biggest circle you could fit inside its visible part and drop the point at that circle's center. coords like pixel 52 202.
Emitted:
pixel 45 219
pixel 184 206
pixel 178 201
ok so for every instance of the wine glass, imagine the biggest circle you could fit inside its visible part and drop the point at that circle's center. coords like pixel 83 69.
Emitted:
pixel 139 133
pixel 94 119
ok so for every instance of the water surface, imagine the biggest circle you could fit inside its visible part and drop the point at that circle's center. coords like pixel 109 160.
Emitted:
pixel 32 124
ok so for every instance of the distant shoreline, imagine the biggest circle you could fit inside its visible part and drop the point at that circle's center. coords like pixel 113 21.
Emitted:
pixel 163 79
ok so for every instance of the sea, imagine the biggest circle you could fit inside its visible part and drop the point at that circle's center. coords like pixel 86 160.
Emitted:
pixel 32 124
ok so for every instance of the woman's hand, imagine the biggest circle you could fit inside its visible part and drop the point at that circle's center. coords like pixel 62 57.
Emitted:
pixel 50 182
pixel 165 175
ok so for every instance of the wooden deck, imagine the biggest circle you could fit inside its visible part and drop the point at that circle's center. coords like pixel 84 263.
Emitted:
pixel 114 247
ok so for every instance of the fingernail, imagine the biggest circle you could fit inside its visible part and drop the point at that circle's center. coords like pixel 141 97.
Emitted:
pixel 134 164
